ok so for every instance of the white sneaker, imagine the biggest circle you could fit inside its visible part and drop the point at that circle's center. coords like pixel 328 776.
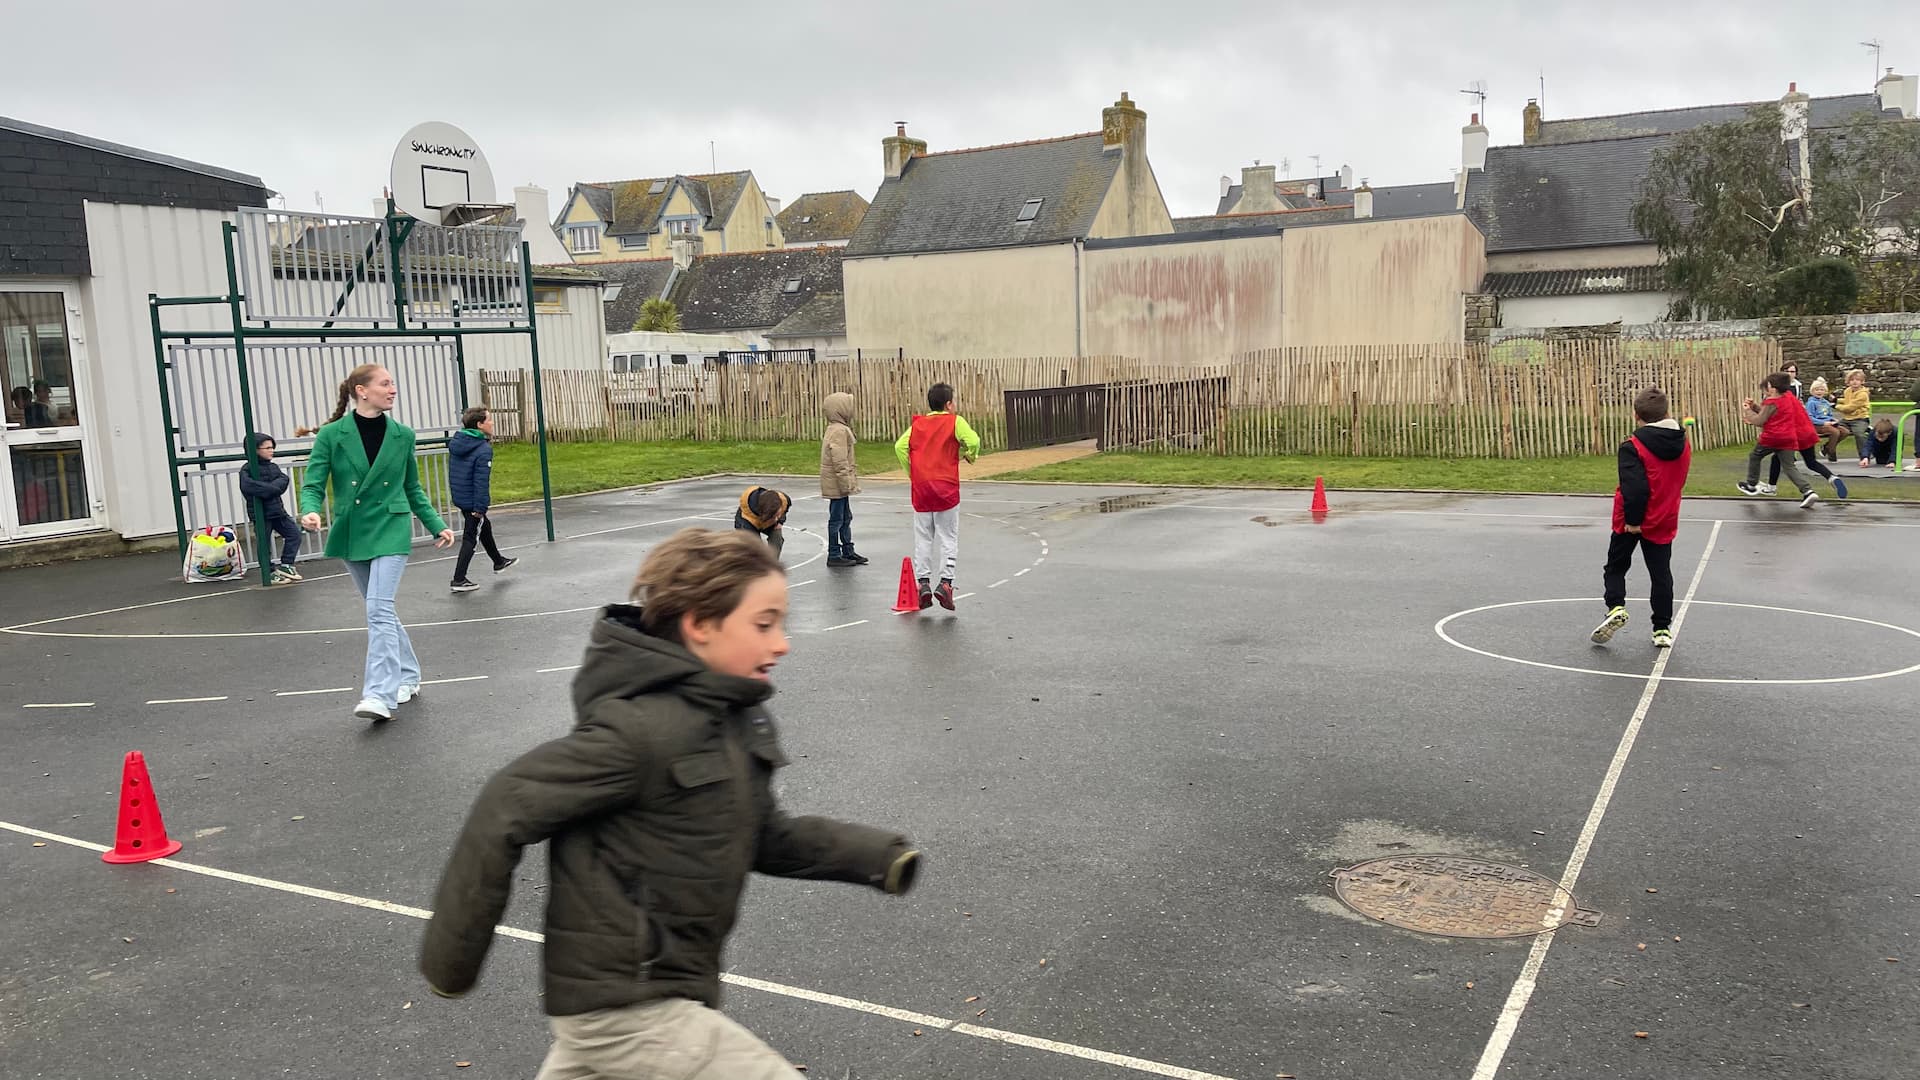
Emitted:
pixel 1767 489
pixel 408 693
pixel 1811 498
pixel 369 709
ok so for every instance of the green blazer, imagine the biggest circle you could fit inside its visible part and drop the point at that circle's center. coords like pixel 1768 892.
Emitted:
pixel 371 500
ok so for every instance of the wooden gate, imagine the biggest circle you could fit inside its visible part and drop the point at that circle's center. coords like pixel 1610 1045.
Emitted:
pixel 1055 414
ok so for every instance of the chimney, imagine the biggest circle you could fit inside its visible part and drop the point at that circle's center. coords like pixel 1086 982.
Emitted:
pixel 536 225
pixel 1530 122
pixel 1898 92
pixel 1473 145
pixel 685 249
pixel 1123 126
pixel 1257 195
pixel 1793 114
pixel 773 206
pixel 380 206
pixel 899 149
pixel 1363 201
pixel 1346 177
pixel 1226 185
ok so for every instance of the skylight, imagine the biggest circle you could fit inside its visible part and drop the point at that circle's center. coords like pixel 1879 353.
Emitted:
pixel 1030 211
pixel 793 285
pixel 658 187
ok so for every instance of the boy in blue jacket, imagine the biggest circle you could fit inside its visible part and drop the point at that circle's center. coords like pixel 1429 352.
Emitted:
pixel 262 483
pixel 470 475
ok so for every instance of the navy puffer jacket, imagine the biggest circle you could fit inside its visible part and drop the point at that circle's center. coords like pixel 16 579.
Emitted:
pixel 470 469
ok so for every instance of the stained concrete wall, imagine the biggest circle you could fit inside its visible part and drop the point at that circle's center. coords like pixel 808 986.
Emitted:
pixel 1393 281
pixel 965 304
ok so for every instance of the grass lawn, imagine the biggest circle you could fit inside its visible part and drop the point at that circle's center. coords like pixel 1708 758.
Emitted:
pixel 598 466
pixel 1714 473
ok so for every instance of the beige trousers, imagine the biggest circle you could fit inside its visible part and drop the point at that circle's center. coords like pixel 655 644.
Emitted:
pixel 672 1039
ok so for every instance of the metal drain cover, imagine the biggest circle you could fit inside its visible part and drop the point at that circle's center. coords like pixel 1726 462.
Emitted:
pixel 1454 896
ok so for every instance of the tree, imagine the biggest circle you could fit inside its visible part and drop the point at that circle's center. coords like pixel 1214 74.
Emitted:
pixel 658 314
pixel 1877 187
pixel 1827 286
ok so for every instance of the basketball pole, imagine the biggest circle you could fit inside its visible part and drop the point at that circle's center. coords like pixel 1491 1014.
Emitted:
pixel 539 398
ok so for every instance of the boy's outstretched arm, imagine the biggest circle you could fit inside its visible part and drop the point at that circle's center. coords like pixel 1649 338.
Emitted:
pixel 827 850
pixel 900 450
pixel 969 440
pixel 588 772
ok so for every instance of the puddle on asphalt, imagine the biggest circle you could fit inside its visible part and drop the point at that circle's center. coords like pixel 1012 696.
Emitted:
pixel 1118 504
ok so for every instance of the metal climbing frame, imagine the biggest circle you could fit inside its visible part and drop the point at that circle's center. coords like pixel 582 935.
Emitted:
pixel 392 291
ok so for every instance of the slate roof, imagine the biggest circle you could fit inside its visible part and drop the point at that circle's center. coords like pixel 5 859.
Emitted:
pixel 825 315
pixel 1291 193
pixel 1566 195
pixel 747 290
pixel 1821 112
pixel 1404 200
pixel 969 199
pixel 640 280
pixel 821 216
pixel 632 207
pixel 599 198
pixel 1617 279
pixel 1272 221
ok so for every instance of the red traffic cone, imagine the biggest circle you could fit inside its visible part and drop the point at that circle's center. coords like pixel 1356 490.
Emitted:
pixel 909 599
pixel 141 834
pixel 1319 495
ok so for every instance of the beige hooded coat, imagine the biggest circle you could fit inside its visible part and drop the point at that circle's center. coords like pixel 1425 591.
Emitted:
pixel 839 476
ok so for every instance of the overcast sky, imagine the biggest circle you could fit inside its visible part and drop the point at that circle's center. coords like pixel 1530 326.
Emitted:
pixel 311 98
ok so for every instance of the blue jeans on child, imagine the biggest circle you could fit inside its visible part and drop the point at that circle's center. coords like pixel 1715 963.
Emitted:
pixel 839 528
pixel 289 531
pixel 390 660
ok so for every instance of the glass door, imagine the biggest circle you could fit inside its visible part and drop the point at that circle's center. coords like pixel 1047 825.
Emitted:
pixel 44 487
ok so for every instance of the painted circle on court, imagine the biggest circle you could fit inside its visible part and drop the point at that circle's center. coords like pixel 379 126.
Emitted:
pixel 1440 628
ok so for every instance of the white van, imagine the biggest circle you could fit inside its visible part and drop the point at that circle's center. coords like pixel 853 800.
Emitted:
pixel 650 370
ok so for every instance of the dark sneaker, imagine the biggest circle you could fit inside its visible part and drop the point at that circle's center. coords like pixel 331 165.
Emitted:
pixel 944 594
pixel 926 595
pixel 1616 618
pixel 1809 499
pixel 1747 488
pixel 1840 487
pixel 463 585
pixel 505 565
pixel 857 559
pixel 840 560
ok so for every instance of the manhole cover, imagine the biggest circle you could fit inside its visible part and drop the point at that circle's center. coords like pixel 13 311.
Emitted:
pixel 1458 897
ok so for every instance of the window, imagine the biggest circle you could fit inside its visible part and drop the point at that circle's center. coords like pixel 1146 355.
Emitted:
pixel 658 187
pixel 634 243
pixel 583 238
pixel 612 292
pixel 550 298
pixel 792 286
pixel 1030 210
pixel 622 364
pixel 807 220
pixel 679 358
pixel 680 227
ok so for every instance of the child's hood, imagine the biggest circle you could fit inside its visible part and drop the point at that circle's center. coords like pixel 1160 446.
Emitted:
pixel 839 408
pixel 255 440
pixel 465 443
pixel 624 661
pixel 1664 439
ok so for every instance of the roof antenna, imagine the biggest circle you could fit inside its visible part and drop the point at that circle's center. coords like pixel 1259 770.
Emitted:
pixel 1543 91
pixel 1478 89
pixel 1874 44
pixel 713 158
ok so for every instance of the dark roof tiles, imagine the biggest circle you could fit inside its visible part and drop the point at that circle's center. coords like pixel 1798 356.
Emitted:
pixel 821 216
pixel 969 199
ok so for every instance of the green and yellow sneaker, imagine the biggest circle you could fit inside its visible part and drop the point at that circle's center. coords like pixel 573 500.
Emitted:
pixel 1616 619
pixel 1663 639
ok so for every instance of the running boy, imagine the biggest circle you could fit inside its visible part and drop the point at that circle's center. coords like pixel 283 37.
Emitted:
pixel 930 451
pixel 1646 514
pixel 262 484
pixel 470 476
pixel 1784 429
pixel 655 807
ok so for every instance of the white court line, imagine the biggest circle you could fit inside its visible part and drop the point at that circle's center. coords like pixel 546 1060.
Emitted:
pixel 1017 573
pixel 304 693
pixel 844 625
pixel 641 525
pixel 999 583
pixel 59 705
pixel 1598 517
pixel 443 682
pixel 963 596
pixel 797 584
pixel 551 670
pixel 923 1020
pixel 291 633
pixel 1523 987
pixel 185 700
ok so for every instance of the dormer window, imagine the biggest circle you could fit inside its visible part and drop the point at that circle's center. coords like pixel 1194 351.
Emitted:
pixel 1030 210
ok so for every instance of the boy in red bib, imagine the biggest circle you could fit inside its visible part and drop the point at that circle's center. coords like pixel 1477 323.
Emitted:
pixel 930 452
pixel 1784 429
pixel 1646 514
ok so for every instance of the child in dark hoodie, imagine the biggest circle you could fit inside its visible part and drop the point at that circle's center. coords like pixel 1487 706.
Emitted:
pixel 470 476
pixel 1646 514
pixel 655 808
pixel 262 483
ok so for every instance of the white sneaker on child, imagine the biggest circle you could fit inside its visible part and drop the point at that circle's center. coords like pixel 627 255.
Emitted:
pixel 1768 489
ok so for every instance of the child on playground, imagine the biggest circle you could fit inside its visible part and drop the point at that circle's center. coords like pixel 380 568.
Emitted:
pixel 1784 429
pixel 1856 414
pixel 1653 462
pixel 763 512
pixel 1817 406
pixel 839 480
pixel 655 808
pixel 470 478
pixel 1881 446
pixel 262 483
pixel 930 451
pixel 1826 420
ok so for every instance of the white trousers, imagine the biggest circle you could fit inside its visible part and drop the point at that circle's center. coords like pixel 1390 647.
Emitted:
pixel 672 1039
pixel 943 527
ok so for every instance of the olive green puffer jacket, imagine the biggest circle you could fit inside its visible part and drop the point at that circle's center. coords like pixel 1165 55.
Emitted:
pixel 657 805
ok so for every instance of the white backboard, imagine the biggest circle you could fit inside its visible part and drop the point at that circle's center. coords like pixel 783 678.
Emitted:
pixel 436 166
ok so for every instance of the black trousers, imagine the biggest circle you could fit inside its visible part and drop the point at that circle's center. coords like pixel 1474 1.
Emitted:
pixel 1658 559
pixel 479 528
pixel 289 531
pixel 1809 455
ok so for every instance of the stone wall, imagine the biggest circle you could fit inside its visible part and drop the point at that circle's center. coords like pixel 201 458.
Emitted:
pixel 1482 316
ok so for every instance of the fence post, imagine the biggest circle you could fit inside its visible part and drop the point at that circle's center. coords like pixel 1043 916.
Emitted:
pixel 1353 431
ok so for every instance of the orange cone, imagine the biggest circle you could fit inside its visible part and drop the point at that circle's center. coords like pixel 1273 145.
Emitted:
pixel 1319 495
pixel 909 599
pixel 141 834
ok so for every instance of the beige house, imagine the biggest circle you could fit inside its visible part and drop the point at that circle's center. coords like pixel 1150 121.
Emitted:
pixel 634 219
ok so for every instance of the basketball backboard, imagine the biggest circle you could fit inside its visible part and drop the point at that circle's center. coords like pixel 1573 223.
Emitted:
pixel 436 166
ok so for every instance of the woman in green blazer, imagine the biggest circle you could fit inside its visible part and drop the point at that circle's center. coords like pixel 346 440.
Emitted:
pixel 368 457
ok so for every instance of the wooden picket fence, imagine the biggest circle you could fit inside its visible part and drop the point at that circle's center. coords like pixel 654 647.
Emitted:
pixel 1569 398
